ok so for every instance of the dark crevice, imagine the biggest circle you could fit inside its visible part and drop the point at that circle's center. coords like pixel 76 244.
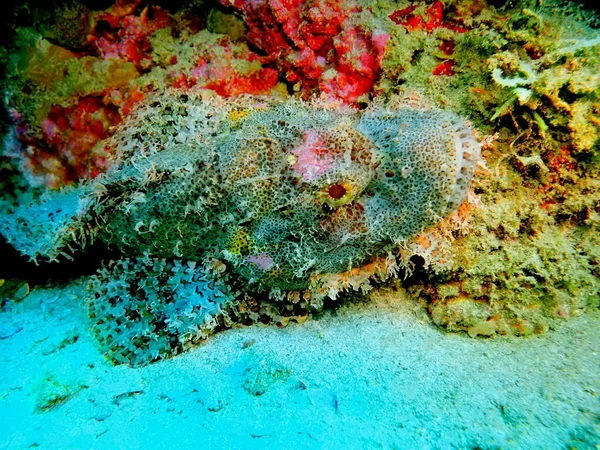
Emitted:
pixel 16 266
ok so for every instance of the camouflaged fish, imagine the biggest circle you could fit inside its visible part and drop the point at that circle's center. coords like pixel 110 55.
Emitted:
pixel 207 198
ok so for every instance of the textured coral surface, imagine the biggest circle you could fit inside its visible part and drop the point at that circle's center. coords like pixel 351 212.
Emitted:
pixel 317 44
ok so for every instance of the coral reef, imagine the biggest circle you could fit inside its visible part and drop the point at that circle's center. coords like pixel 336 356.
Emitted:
pixel 317 45
pixel 516 272
pixel 63 101
pixel 526 258
pixel 554 77
pixel 133 126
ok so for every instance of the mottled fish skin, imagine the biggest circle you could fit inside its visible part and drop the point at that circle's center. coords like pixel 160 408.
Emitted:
pixel 289 189
pixel 268 195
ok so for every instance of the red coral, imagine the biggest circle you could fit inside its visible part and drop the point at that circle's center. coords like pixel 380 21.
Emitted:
pixel 447 47
pixel 357 59
pixel 126 36
pixel 220 69
pixel 128 101
pixel 69 137
pixel 66 151
pixel 434 18
pixel 256 83
pixel 314 44
pixel 561 164
pixel 182 81
pixel 562 170
pixel 406 18
pixel 444 68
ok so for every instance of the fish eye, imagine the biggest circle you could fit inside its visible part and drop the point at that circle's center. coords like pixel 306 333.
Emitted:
pixel 336 191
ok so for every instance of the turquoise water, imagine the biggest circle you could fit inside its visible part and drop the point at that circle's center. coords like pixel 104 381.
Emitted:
pixel 375 375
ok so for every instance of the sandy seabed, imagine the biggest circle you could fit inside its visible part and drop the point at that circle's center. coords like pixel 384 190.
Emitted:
pixel 372 375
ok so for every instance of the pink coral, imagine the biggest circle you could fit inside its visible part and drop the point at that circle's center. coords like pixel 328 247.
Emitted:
pixel 314 44
pixel 230 69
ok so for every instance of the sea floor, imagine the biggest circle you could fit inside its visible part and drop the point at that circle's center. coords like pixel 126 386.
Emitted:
pixel 372 375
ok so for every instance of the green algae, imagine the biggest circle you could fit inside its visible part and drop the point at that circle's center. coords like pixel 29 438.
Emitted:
pixel 57 76
pixel 528 74
pixel 523 266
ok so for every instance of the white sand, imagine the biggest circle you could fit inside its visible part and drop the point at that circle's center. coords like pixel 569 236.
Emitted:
pixel 377 375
